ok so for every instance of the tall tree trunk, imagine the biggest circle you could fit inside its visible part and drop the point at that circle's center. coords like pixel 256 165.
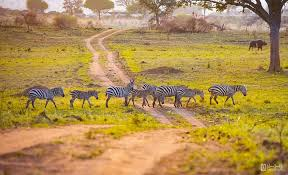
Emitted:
pixel 274 45
pixel 99 15
pixel 157 20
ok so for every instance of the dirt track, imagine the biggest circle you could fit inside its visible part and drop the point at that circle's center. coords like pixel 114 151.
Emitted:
pixel 19 139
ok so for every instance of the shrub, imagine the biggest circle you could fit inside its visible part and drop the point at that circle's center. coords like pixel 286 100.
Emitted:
pixel 65 21
pixel 19 21
pixel 181 24
pixel 30 19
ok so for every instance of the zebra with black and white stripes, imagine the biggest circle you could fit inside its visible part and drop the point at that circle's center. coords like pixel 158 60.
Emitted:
pixel 166 91
pixel 83 95
pixel 143 93
pixel 47 94
pixel 119 92
pixel 150 88
pixel 226 90
pixel 191 93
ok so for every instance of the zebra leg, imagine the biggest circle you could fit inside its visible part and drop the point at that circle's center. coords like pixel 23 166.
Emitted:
pixel 83 102
pixel 194 99
pixel 46 103
pixel 126 101
pixel 188 102
pixel 71 102
pixel 143 102
pixel 211 99
pixel 147 102
pixel 33 101
pixel 130 100
pixel 233 100
pixel 89 103
pixel 215 99
pixel 107 100
pixel 133 101
pixel 54 103
pixel 27 104
pixel 227 99
pixel 160 103
pixel 154 100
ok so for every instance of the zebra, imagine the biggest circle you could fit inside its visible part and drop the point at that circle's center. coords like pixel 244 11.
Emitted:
pixel 140 93
pixel 82 95
pixel 226 90
pixel 47 94
pixel 119 92
pixel 166 91
pixel 191 93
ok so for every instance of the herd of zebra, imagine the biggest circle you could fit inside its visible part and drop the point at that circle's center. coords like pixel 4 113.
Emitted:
pixel 157 92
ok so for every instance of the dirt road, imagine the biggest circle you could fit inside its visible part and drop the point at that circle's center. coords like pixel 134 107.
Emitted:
pixel 133 155
pixel 18 139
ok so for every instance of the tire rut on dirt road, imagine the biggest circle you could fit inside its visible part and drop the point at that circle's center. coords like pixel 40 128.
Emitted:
pixel 18 139
pixel 124 78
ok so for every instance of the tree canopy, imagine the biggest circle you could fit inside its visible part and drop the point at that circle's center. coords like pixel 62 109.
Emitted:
pixel 159 8
pixel 37 5
pixel 99 5
pixel 73 7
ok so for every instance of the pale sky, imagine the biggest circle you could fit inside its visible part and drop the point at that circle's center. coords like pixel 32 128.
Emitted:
pixel 54 5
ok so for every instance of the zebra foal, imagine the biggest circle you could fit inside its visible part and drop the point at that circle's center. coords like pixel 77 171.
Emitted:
pixel 143 93
pixel 226 90
pixel 191 93
pixel 82 95
pixel 48 94
pixel 119 92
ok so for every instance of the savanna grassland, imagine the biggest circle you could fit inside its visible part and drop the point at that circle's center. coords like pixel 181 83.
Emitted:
pixel 52 58
pixel 237 138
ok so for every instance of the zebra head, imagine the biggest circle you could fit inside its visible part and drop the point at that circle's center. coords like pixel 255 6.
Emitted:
pixel 93 93
pixel 242 89
pixel 58 91
pixel 130 85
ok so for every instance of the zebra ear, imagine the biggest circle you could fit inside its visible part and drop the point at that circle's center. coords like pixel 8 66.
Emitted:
pixel 132 81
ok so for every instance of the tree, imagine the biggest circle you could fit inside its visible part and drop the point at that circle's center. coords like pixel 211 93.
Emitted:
pixel 99 5
pixel 135 7
pixel 37 5
pixel 125 3
pixel 73 7
pixel 271 15
pixel 158 8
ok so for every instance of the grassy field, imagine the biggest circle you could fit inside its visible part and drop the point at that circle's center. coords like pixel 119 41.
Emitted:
pixel 53 58
pixel 254 131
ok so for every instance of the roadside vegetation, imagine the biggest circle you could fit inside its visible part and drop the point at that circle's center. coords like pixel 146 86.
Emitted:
pixel 254 131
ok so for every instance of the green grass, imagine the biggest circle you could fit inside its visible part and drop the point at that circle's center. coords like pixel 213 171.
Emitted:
pixel 55 58
pixel 212 58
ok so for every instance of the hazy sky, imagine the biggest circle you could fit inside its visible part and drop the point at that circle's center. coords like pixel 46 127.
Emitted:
pixel 54 5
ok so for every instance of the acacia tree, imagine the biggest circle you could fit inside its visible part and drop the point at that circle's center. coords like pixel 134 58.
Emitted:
pixel 271 15
pixel 158 8
pixel 37 5
pixel 124 3
pixel 99 5
pixel 73 7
